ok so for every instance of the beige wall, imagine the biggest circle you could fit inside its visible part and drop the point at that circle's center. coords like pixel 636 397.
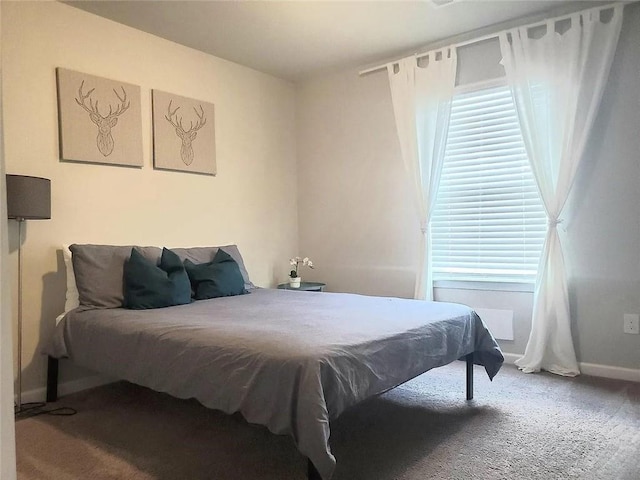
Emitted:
pixel 356 213
pixel 7 422
pixel 355 201
pixel 251 202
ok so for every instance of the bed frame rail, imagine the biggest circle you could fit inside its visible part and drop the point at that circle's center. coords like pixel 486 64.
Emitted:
pixel 52 379
pixel 469 359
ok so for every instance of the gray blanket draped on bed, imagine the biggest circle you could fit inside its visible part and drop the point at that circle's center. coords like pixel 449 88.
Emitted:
pixel 291 361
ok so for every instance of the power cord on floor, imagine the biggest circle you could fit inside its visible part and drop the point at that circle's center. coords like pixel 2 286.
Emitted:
pixel 33 409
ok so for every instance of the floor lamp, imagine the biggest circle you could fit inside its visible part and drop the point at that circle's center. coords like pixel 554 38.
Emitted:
pixel 28 198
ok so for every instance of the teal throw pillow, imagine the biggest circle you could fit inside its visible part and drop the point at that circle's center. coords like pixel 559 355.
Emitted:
pixel 147 285
pixel 220 277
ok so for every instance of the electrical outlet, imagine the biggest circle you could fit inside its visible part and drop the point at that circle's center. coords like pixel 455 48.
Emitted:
pixel 632 323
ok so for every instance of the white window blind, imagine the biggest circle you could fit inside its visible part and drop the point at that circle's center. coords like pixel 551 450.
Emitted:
pixel 489 222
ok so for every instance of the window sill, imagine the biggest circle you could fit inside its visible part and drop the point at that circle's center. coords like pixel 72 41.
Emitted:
pixel 484 285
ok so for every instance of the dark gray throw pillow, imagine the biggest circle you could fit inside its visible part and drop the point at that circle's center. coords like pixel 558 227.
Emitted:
pixel 99 272
pixel 147 285
pixel 199 255
pixel 219 278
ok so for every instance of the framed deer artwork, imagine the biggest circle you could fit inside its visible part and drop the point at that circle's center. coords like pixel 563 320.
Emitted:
pixel 99 119
pixel 183 134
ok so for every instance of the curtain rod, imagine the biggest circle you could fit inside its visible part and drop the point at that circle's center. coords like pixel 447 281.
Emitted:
pixel 496 35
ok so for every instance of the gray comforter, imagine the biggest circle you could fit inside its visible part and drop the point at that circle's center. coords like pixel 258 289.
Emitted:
pixel 291 361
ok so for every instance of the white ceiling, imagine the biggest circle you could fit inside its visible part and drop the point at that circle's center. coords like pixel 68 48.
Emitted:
pixel 297 39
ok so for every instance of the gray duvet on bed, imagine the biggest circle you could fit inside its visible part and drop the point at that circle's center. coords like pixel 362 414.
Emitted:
pixel 291 361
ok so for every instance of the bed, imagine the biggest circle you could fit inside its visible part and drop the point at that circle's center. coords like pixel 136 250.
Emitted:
pixel 291 361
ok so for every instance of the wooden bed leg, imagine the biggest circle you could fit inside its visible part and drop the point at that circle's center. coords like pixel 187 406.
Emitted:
pixel 52 379
pixel 469 376
pixel 312 472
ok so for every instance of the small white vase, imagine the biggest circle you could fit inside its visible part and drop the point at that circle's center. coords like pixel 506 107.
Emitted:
pixel 295 282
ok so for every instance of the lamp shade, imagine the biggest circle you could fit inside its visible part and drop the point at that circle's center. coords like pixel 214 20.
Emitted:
pixel 28 198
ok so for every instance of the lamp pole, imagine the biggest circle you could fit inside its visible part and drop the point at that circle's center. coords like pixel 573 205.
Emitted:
pixel 20 221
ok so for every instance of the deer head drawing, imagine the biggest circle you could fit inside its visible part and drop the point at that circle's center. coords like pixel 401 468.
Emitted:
pixel 104 139
pixel 187 136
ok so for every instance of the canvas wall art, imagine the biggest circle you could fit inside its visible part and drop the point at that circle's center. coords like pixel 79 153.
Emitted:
pixel 183 134
pixel 99 119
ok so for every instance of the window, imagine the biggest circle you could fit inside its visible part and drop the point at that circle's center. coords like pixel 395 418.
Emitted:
pixel 489 223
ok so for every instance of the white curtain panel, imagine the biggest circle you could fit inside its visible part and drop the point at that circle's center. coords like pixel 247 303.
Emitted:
pixel 421 91
pixel 557 77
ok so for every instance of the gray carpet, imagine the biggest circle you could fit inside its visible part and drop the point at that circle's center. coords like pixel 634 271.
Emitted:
pixel 518 427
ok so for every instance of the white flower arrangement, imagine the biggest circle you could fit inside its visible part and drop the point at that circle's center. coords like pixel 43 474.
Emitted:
pixel 296 262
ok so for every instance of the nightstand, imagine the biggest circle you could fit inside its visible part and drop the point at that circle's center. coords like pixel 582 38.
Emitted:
pixel 305 286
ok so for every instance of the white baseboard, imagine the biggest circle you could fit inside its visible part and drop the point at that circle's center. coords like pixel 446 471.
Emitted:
pixel 593 369
pixel 619 373
pixel 39 394
pixel 510 358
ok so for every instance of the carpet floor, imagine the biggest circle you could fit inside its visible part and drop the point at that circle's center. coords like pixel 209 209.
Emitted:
pixel 518 427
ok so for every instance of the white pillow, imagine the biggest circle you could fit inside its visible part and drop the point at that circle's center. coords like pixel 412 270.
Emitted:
pixel 72 299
